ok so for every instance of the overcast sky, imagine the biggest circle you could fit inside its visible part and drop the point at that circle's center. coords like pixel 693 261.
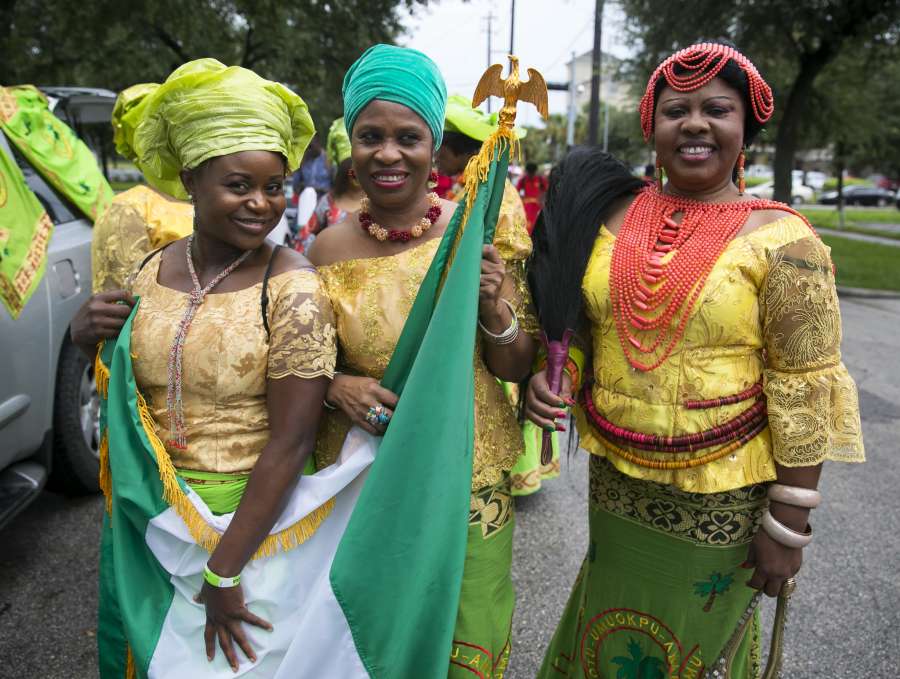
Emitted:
pixel 454 34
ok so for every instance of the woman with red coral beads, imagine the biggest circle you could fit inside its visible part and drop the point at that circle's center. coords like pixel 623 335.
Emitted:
pixel 372 265
pixel 716 389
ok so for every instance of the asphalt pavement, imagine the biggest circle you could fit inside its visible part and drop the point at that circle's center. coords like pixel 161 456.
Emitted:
pixel 844 624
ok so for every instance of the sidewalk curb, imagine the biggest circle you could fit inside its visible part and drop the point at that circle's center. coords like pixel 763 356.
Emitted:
pixel 867 293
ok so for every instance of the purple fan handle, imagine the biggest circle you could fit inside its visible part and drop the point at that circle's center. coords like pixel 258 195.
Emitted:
pixel 557 353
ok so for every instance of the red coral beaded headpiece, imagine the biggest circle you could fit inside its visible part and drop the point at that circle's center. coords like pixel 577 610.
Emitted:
pixel 702 63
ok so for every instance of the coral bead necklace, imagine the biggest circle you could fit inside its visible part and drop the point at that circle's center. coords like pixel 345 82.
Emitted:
pixel 377 231
pixel 659 267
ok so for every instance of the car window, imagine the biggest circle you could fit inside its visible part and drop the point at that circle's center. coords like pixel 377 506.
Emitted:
pixel 56 205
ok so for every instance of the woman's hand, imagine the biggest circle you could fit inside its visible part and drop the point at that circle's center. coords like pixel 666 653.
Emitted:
pixel 225 611
pixel 100 317
pixel 355 395
pixel 491 310
pixel 542 406
pixel 775 563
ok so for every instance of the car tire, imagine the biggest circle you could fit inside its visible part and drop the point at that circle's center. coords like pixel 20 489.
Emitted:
pixel 76 425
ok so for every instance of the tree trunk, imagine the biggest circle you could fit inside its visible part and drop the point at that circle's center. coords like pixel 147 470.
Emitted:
pixel 786 141
pixel 710 601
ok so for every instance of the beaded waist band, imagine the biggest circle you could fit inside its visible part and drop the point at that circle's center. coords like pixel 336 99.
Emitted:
pixel 728 436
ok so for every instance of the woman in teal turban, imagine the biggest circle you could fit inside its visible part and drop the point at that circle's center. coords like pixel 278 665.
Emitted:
pixel 232 348
pixel 372 265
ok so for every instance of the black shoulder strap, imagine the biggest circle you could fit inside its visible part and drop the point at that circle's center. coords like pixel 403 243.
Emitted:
pixel 153 254
pixel 264 297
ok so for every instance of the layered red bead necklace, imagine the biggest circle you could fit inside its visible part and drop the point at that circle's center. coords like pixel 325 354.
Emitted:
pixel 660 265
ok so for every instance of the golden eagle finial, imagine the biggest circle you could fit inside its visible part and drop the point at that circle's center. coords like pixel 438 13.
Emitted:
pixel 512 90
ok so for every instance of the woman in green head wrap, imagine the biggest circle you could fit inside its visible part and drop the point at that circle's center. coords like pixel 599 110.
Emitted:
pixel 344 195
pixel 372 264
pixel 233 343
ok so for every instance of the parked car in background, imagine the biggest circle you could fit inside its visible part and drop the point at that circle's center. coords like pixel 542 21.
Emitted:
pixel 799 193
pixel 49 405
pixel 812 178
pixel 860 195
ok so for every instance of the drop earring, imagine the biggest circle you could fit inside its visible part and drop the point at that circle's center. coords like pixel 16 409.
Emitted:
pixel 740 173
pixel 433 180
pixel 660 178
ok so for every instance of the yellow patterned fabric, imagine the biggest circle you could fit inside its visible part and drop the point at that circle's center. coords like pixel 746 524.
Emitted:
pixel 372 298
pixel 137 222
pixel 227 361
pixel 768 312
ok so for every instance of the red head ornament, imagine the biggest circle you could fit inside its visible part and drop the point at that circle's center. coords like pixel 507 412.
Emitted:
pixel 699 64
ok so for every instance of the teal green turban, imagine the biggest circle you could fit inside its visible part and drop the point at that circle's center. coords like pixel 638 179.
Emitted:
pixel 206 109
pixel 400 75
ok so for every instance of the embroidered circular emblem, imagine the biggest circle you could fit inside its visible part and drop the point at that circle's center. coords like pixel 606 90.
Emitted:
pixel 636 644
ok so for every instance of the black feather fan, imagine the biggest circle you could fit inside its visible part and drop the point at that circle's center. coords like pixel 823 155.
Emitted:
pixel 584 189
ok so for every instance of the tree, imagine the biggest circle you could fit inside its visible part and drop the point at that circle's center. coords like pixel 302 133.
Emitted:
pixel 792 42
pixel 716 584
pixel 307 44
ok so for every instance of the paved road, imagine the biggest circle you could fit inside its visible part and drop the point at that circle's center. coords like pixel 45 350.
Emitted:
pixel 864 237
pixel 845 620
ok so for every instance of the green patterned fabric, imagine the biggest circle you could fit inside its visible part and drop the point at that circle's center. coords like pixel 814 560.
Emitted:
pixel 337 146
pixel 54 149
pixel 206 109
pixel 661 593
pixel 482 637
pixel 401 75
pixel 25 231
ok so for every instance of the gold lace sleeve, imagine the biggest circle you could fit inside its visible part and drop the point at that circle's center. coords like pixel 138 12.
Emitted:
pixel 514 245
pixel 303 341
pixel 812 400
pixel 118 244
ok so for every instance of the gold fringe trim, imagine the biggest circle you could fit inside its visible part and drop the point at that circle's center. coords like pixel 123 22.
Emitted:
pixel 101 373
pixel 105 474
pixel 203 534
pixel 476 172
pixel 130 670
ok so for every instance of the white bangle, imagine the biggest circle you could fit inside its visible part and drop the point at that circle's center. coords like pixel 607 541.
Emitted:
pixel 509 335
pixel 784 535
pixel 795 495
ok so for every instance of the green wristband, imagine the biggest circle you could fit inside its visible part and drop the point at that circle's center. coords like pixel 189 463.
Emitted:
pixel 218 580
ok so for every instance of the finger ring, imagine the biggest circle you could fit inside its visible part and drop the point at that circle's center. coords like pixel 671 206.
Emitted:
pixel 383 418
pixel 372 416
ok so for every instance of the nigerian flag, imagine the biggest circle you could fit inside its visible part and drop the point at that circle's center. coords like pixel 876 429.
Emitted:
pixel 361 573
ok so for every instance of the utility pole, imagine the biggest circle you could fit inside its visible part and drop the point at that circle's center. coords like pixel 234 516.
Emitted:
pixel 573 93
pixel 490 52
pixel 594 118
pixel 512 27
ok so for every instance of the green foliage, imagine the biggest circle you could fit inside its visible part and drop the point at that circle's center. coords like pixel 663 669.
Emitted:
pixel 548 144
pixel 864 265
pixel 307 44
pixel 812 52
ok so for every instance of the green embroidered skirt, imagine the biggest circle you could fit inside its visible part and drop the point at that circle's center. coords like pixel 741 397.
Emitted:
pixel 481 640
pixel 660 593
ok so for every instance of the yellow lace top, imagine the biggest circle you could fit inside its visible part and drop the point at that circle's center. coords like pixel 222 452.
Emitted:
pixel 769 312
pixel 227 360
pixel 372 298
pixel 137 222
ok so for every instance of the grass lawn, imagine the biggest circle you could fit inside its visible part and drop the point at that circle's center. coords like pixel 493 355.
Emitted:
pixel 865 265
pixel 854 219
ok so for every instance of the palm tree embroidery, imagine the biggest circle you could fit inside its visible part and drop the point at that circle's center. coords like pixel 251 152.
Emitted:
pixel 639 666
pixel 716 585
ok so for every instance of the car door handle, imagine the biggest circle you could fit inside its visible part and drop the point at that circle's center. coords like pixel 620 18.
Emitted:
pixel 69 282
pixel 13 407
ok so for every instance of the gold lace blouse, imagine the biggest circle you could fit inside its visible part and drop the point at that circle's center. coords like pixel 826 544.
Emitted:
pixel 227 360
pixel 372 298
pixel 137 222
pixel 768 313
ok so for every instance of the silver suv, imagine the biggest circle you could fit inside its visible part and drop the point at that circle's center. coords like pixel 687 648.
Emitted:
pixel 48 400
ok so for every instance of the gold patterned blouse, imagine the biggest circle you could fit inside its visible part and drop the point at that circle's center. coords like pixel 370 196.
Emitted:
pixel 227 360
pixel 137 222
pixel 768 313
pixel 372 299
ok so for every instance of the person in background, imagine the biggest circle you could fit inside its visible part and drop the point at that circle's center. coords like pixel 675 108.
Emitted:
pixel 465 128
pixel 140 219
pixel 345 192
pixel 532 187
pixel 313 170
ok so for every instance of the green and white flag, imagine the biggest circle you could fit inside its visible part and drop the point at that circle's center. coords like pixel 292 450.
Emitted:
pixel 361 574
